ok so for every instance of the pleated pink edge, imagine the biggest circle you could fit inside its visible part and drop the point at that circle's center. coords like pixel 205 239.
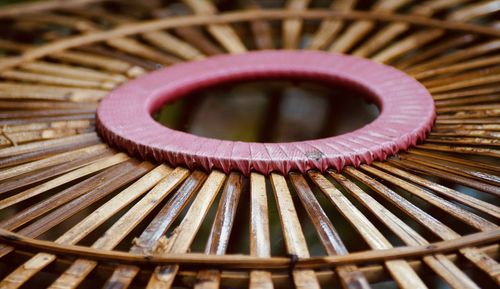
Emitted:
pixel 407 113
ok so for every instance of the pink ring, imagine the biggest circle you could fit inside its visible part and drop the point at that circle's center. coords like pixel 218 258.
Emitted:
pixel 407 114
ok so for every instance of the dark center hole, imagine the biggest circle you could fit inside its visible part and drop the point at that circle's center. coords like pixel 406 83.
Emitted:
pixel 270 111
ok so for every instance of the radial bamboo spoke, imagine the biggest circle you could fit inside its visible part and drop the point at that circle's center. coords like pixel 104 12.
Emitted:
pixel 418 215
pixel 402 273
pixel 75 72
pixel 37 155
pixel 469 100
pixel 447 270
pixel 475 10
pixel 449 176
pixel 292 28
pixel 136 48
pixel 38 146
pixel 73 175
pixel 357 30
pixel 466 93
pixel 459 67
pixel 179 242
pixel 53 160
pixel 57 216
pixel 98 61
pixel 221 229
pixel 455 42
pixel 147 241
pixel 260 242
pixel 37 176
pixel 457 169
pixel 223 33
pixel 292 231
pixel 18 277
pixel 43 78
pixel 460 55
pixel 262 31
pixel 454 210
pixel 64 196
pixel 10 90
pixel 456 160
pixel 461 149
pixel 72 277
pixel 349 275
pixel 444 191
pixel 173 45
pixel 194 36
pixel 328 29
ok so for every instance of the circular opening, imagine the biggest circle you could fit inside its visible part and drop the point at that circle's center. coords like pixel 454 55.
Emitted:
pixel 270 111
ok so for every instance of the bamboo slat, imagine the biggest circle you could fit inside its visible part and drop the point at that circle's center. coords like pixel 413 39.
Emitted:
pixel 349 275
pixel 174 45
pixel 328 29
pixel 218 239
pixel 72 277
pixel 260 242
pixel 147 241
pixel 292 232
pixel 223 33
pixel 38 262
pixel 115 179
pixel 262 31
pixel 179 242
pixel 445 269
pixel 360 28
pixel 399 269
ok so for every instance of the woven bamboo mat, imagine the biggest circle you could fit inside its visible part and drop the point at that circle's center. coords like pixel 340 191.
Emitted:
pixel 76 213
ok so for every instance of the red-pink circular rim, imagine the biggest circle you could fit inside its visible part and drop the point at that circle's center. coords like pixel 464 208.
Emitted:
pixel 406 114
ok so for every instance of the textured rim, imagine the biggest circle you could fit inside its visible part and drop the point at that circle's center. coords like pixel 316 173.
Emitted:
pixel 407 114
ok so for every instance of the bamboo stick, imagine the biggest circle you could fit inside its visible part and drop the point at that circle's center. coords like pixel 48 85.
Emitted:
pixel 249 262
pixel 447 270
pixel 146 242
pixel 460 55
pixel 224 33
pixel 91 168
pixel 453 159
pixel 477 204
pixel 218 239
pixel 37 176
pixel 172 44
pixel 72 71
pixel 292 28
pixel 457 169
pixel 350 276
pixel 184 234
pixel 231 17
pixel 260 241
pixel 328 29
pixel 116 177
pixel 261 30
pixel 34 265
pixel 455 42
pixel 399 269
pixel 72 277
pixel 292 232
pixel 355 32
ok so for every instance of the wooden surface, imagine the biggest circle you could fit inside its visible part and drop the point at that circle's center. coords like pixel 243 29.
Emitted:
pixel 76 213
